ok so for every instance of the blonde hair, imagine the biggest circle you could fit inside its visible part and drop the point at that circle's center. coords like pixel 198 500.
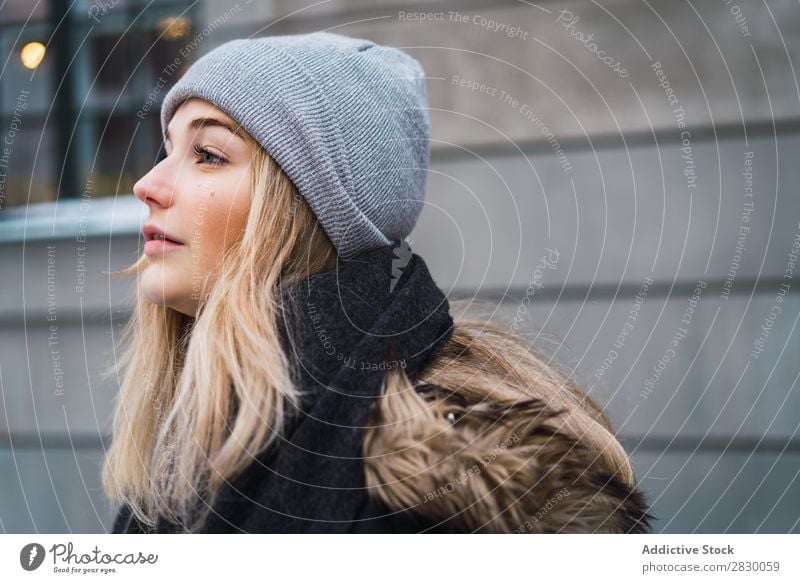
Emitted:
pixel 201 397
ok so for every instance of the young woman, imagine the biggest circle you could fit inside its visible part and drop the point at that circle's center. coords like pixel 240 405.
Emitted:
pixel 290 364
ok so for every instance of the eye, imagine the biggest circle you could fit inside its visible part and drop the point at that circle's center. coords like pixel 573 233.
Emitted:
pixel 207 157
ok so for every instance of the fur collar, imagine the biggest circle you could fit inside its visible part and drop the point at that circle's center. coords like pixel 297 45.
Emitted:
pixel 495 469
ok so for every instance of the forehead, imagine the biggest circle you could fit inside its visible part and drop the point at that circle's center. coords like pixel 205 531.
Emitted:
pixel 194 108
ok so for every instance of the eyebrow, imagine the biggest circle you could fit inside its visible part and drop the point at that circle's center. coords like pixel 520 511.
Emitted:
pixel 206 122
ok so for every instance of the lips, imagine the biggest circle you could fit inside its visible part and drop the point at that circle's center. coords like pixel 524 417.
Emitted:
pixel 157 247
pixel 152 232
pixel 158 241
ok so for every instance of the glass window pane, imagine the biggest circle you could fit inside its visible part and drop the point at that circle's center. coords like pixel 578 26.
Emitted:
pixel 114 167
pixel 20 182
pixel 33 85
pixel 97 10
pixel 19 11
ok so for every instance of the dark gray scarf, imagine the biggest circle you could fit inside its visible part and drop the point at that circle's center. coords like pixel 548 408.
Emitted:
pixel 342 329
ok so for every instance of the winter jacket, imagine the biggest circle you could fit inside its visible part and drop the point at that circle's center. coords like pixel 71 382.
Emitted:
pixel 342 328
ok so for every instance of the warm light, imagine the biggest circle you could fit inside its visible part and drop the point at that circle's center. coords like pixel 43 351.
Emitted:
pixel 174 27
pixel 32 54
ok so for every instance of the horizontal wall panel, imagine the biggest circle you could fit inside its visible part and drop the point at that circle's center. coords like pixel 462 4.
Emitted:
pixel 619 216
pixel 664 368
pixel 717 492
pixel 52 491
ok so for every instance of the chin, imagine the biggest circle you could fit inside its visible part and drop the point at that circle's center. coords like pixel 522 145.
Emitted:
pixel 156 287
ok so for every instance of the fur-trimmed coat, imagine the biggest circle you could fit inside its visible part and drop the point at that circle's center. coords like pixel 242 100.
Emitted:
pixel 486 468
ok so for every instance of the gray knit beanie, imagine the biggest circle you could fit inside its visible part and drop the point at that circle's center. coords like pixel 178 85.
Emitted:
pixel 345 118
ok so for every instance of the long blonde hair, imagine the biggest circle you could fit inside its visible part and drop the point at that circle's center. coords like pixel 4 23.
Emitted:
pixel 201 397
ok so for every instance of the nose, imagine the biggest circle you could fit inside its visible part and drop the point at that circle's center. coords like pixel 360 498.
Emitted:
pixel 154 187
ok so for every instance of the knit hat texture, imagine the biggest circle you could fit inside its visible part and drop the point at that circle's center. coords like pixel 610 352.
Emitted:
pixel 345 118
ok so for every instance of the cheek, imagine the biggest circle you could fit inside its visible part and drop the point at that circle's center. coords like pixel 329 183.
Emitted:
pixel 217 224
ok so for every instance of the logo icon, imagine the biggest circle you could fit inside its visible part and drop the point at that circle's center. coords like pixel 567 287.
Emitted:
pixel 401 256
pixel 31 556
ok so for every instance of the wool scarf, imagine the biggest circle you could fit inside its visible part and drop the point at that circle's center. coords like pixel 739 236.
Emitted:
pixel 342 329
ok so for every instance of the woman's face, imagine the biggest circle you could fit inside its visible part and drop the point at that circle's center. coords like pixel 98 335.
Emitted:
pixel 198 197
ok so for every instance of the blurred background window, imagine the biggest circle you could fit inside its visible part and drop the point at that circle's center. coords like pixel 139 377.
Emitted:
pixel 76 76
